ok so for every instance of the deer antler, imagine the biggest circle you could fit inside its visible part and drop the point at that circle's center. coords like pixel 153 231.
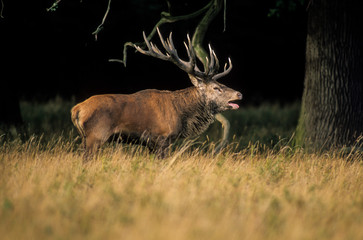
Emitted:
pixel 225 71
pixel 190 66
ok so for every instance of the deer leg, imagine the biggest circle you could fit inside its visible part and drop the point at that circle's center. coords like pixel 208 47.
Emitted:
pixel 87 154
pixel 163 152
pixel 226 126
pixel 156 146
pixel 92 144
pixel 162 147
pixel 91 147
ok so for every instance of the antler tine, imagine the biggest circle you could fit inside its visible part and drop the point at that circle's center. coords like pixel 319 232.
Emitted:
pixel 170 42
pixel 171 48
pixel 217 61
pixel 161 39
pixel 211 67
pixel 192 57
pixel 146 41
pixel 225 72
pixel 190 50
pixel 152 49
pixel 156 50
pixel 147 44
pixel 186 47
pixel 206 66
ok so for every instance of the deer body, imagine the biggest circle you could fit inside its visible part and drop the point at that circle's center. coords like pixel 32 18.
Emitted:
pixel 149 114
pixel 156 117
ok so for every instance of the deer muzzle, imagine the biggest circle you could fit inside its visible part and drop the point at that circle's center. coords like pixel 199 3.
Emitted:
pixel 232 103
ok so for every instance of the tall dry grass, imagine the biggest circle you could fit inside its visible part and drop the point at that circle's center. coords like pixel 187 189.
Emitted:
pixel 47 193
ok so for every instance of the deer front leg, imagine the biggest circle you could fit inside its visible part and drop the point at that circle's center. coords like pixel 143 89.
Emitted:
pixel 225 126
pixel 163 151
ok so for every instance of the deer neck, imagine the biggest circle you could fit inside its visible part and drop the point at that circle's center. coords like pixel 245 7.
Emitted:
pixel 196 114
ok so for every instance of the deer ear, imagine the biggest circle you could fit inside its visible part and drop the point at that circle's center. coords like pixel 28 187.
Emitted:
pixel 196 82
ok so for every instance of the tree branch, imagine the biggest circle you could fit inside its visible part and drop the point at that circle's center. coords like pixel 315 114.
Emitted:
pixel 54 6
pixel 100 27
pixel 2 9
pixel 165 18
pixel 200 31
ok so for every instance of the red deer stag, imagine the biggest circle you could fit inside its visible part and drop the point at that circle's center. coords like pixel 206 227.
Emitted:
pixel 154 117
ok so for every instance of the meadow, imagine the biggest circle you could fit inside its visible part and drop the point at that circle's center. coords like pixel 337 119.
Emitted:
pixel 259 187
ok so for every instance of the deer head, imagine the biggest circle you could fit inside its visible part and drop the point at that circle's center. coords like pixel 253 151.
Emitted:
pixel 219 96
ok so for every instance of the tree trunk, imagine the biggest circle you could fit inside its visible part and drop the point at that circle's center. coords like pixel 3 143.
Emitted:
pixel 332 104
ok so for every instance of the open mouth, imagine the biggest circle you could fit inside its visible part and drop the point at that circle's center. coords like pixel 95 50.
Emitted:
pixel 233 105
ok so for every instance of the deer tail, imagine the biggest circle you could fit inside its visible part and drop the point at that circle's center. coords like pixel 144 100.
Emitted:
pixel 75 119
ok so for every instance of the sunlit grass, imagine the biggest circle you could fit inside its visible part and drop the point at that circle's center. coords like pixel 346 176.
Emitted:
pixel 259 187
pixel 46 192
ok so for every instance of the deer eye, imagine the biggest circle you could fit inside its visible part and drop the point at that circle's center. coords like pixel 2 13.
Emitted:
pixel 217 89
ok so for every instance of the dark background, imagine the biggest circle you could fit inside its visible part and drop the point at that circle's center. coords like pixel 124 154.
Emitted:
pixel 45 54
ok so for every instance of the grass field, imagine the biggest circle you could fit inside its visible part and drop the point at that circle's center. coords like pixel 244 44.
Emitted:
pixel 254 191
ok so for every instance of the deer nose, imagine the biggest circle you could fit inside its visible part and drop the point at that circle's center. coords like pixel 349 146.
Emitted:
pixel 239 95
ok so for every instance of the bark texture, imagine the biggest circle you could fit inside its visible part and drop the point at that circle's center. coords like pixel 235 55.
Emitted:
pixel 332 104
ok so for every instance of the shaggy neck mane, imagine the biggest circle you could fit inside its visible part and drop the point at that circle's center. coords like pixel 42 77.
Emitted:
pixel 195 111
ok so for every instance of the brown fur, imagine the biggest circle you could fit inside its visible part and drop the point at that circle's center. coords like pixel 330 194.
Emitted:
pixel 155 117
